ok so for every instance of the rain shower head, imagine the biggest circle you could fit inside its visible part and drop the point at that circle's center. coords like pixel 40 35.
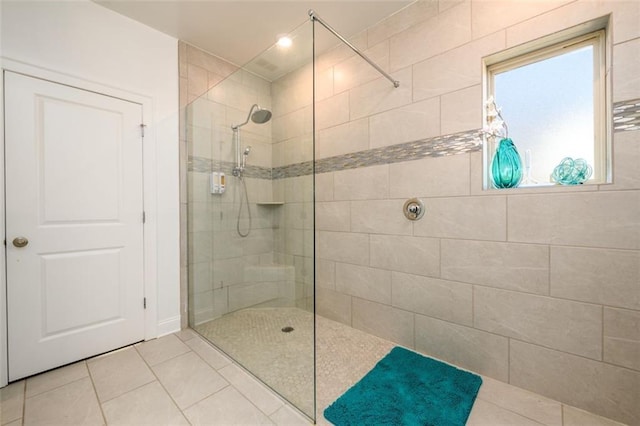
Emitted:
pixel 261 116
pixel 257 115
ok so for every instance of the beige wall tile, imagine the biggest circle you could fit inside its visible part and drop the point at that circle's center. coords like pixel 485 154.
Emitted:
pixel 626 71
pixel 609 219
pixel 414 255
pixel 607 277
pixel 560 324
pixel 367 183
pixel 209 62
pixel 333 216
pixel 323 84
pixel 344 247
pixel 326 274
pixel 341 51
pixel 558 19
pixel 182 58
pixel 245 295
pixel 461 110
pixel 435 35
pixel 447 4
pixel 293 91
pixel 477 174
pixel 626 157
pixel 332 111
pixel 298 189
pixel 577 381
pixel 289 125
pixel 355 71
pixel 455 69
pixel 521 267
pixel 380 217
pixel 622 337
pixel 441 299
pixel 522 402
pixel 484 13
pixel 333 305
pixel 409 123
pixel 625 20
pixel 380 95
pixel 363 282
pixel 430 177
pixel 198 81
pixel 296 216
pixel 478 218
pixel 323 187
pixel 383 321
pixel 466 347
pixel 343 139
pixel 411 15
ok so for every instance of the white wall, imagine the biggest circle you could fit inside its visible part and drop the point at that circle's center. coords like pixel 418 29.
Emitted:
pixel 94 47
pixel 3 293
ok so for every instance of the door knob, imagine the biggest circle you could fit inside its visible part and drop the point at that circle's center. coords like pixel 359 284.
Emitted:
pixel 20 241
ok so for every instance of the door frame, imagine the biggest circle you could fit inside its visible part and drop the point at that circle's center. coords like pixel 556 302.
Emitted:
pixel 149 195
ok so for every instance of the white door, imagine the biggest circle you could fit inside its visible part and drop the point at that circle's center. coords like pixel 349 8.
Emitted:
pixel 74 196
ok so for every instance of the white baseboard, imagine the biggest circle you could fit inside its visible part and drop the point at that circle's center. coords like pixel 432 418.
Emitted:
pixel 168 326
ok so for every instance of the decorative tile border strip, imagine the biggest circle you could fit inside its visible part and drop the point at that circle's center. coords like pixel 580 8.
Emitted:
pixel 206 165
pixel 626 117
pixel 439 146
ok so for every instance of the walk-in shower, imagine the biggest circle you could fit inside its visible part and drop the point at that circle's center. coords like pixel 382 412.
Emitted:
pixel 251 246
pixel 251 259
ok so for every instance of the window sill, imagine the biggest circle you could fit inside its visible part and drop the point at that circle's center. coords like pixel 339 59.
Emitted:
pixel 545 189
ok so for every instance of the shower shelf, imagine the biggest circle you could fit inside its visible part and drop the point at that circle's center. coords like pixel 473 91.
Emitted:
pixel 270 203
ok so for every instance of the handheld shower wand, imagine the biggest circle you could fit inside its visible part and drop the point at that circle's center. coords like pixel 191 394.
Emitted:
pixel 245 154
pixel 259 116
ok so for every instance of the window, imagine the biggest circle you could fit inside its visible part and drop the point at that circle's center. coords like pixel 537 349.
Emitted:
pixel 553 98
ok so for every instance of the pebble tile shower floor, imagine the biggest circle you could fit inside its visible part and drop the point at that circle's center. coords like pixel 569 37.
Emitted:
pixel 180 379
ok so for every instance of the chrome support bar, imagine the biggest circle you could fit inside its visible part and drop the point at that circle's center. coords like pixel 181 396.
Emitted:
pixel 314 17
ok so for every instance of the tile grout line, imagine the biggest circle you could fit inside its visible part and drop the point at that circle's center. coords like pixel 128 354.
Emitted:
pixel 159 382
pixel 229 384
pixel 95 392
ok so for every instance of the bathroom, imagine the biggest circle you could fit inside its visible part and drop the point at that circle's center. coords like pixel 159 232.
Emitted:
pixel 535 287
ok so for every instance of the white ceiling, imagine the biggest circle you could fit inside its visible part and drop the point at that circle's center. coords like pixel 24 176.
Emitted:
pixel 239 30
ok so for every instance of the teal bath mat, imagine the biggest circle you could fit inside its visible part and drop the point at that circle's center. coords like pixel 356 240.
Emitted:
pixel 406 388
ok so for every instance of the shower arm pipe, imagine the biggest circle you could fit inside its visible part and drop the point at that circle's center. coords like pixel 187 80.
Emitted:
pixel 314 17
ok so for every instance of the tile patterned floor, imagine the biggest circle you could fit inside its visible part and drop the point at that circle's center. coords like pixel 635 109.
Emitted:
pixel 180 380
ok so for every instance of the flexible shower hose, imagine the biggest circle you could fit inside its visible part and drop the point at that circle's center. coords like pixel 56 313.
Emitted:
pixel 242 201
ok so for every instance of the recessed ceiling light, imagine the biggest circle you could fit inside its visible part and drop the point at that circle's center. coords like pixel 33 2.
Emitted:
pixel 284 41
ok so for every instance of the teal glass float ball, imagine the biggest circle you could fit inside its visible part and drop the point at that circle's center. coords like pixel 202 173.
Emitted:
pixel 506 167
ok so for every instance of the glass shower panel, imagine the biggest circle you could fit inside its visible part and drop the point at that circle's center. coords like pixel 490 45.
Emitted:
pixel 251 221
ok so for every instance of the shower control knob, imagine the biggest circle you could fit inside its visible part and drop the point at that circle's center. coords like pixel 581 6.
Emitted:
pixel 413 209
